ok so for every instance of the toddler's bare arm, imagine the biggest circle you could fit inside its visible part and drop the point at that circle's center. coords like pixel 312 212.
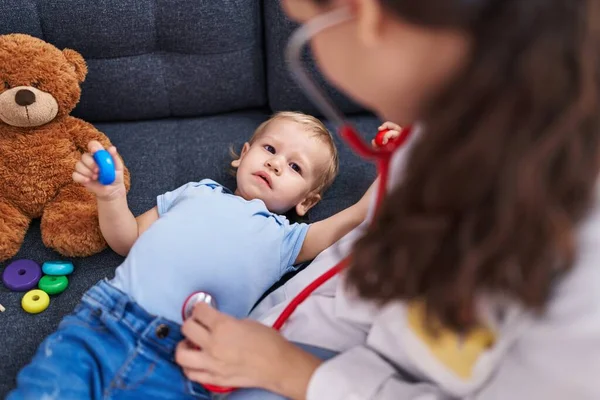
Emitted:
pixel 324 233
pixel 118 225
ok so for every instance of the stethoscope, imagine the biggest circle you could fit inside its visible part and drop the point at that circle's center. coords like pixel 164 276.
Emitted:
pixel 380 155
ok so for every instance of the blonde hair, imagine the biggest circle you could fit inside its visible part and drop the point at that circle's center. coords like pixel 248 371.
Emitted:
pixel 313 125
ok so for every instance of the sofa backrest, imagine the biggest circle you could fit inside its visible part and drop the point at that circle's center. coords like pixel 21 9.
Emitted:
pixel 172 58
pixel 154 58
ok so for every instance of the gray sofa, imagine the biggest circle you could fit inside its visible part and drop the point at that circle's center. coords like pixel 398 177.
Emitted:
pixel 173 83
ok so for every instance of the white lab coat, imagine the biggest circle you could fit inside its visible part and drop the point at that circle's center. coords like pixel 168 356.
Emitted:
pixel 554 356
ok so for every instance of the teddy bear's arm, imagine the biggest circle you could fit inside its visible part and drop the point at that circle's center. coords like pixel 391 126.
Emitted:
pixel 83 132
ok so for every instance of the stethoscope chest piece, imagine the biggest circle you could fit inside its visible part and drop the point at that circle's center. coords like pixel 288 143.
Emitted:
pixel 193 299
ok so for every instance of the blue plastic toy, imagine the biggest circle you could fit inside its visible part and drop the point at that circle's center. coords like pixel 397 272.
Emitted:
pixel 57 268
pixel 106 165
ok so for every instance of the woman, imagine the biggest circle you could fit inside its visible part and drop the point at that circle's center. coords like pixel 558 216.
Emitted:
pixel 479 277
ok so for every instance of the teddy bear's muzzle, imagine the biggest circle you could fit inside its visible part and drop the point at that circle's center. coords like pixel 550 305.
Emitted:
pixel 26 106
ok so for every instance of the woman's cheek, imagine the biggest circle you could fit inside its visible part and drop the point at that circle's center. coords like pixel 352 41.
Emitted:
pixel 329 63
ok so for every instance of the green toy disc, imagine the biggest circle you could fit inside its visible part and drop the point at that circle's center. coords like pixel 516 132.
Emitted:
pixel 53 284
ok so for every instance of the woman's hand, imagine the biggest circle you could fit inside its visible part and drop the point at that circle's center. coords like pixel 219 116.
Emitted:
pixel 242 354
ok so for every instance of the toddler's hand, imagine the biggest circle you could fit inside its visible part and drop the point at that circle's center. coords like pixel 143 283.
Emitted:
pixel 86 173
pixel 393 132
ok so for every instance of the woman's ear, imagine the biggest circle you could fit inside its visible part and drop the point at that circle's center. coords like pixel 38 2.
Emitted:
pixel 308 203
pixel 245 148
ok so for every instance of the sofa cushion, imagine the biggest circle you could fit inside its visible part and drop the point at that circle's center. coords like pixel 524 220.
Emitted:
pixel 153 58
pixel 161 155
pixel 283 91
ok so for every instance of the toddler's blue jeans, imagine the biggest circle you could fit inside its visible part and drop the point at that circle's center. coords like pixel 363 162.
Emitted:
pixel 111 348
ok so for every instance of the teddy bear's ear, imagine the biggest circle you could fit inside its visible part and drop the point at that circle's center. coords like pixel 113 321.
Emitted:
pixel 78 63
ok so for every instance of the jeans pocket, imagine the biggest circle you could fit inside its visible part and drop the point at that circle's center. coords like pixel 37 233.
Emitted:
pixel 145 375
pixel 134 372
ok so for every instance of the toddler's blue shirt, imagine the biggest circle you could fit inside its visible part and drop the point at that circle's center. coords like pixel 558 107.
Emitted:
pixel 208 239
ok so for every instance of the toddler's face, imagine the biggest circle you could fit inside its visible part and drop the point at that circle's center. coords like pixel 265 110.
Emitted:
pixel 282 167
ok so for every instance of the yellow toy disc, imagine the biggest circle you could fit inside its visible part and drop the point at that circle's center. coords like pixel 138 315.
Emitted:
pixel 35 301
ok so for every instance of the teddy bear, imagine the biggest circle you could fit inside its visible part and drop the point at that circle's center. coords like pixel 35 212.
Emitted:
pixel 40 143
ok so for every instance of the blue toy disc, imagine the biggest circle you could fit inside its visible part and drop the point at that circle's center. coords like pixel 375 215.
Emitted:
pixel 106 165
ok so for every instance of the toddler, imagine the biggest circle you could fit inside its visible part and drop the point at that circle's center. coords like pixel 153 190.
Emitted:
pixel 119 341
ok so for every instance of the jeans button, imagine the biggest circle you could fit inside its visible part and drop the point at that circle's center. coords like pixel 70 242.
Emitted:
pixel 162 331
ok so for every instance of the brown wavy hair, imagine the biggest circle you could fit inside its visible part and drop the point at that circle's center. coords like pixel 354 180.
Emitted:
pixel 495 187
